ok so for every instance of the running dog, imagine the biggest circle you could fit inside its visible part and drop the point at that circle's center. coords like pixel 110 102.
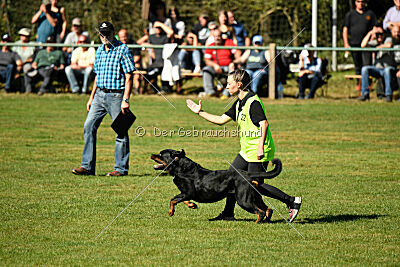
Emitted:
pixel 206 186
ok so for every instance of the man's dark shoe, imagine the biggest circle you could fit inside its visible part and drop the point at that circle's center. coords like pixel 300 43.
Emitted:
pixel 363 97
pixel 82 171
pixel 115 173
pixel 222 217
pixel 389 98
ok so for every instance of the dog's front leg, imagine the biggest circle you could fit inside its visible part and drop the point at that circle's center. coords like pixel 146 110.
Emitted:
pixel 190 204
pixel 171 210
pixel 173 202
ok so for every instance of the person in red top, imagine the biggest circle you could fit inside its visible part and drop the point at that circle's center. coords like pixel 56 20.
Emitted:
pixel 218 61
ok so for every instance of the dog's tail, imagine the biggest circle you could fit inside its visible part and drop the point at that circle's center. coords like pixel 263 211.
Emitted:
pixel 270 174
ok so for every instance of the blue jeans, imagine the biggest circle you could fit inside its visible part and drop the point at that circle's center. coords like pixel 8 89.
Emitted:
pixel 46 73
pixel 72 74
pixel 208 80
pixel 373 71
pixel 7 75
pixel 185 61
pixel 102 104
pixel 258 78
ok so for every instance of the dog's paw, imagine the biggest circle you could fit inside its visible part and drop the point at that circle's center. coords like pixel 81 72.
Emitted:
pixel 191 205
pixel 171 212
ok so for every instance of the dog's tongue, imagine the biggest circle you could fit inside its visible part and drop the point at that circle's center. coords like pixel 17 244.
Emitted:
pixel 158 166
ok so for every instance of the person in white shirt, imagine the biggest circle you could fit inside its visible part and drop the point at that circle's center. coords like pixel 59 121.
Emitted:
pixel 82 61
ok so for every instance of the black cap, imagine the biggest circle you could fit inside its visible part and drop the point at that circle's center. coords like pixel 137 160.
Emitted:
pixel 6 37
pixel 106 27
pixel 50 39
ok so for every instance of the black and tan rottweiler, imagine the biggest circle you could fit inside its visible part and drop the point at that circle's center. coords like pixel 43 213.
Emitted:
pixel 206 186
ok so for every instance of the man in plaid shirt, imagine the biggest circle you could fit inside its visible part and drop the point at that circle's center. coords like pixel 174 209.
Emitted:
pixel 110 94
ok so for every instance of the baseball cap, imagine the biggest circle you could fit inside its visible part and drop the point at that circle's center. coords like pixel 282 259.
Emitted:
pixel 24 31
pixel 106 27
pixel 76 21
pixel 6 37
pixel 257 38
pixel 212 24
pixel 50 39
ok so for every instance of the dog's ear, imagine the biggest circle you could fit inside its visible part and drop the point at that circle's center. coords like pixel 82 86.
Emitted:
pixel 178 155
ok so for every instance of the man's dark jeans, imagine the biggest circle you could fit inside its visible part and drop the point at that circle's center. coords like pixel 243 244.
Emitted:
pixel 7 75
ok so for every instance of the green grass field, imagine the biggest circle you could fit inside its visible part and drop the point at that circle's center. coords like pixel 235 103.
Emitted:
pixel 341 156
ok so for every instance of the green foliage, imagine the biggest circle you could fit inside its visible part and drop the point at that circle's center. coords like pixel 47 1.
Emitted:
pixel 277 20
pixel 341 156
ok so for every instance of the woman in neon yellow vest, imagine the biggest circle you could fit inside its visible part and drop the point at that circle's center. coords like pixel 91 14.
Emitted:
pixel 257 145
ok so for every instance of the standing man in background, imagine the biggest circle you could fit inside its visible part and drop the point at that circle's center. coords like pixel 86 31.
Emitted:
pixel 110 94
pixel 357 23
pixel 392 17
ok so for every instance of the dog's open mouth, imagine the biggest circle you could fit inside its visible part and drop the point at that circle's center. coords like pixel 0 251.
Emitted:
pixel 161 164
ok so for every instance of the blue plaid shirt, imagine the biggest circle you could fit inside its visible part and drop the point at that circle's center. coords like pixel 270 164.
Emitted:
pixel 111 66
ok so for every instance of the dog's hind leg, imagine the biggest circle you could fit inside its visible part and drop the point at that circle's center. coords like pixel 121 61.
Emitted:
pixel 264 209
pixel 260 215
pixel 190 205
pixel 268 215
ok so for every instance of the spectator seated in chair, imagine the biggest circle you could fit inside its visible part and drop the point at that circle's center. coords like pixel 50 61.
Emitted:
pixel 385 62
pixel 47 63
pixel 218 61
pixel 82 61
pixel 190 59
pixel 310 74
pixel 163 35
pixel 201 28
pixel 73 37
pixel 10 64
pixel 256 62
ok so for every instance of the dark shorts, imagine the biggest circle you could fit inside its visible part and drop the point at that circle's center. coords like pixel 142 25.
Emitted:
pixel 241 164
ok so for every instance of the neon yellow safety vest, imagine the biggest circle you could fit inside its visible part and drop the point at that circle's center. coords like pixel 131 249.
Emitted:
pixel 250 134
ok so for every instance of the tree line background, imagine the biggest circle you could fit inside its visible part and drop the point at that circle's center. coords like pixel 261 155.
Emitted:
pixel 276 20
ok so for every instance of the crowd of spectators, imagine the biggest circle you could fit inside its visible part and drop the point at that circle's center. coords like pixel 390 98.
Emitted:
pixel 360 29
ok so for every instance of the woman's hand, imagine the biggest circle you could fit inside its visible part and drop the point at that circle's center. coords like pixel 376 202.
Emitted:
pixel 193 106
pixel 260 152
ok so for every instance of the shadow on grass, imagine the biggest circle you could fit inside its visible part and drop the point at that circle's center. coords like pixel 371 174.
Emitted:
pixel 131 175
pixel 338 218
pixel 325 219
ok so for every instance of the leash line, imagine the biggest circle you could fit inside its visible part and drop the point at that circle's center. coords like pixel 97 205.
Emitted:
pixel 273 207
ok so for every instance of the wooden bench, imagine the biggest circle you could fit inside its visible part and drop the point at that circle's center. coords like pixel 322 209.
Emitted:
pixel 352 77
pixel 183 74
pixel 356 76
pixel 192 74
